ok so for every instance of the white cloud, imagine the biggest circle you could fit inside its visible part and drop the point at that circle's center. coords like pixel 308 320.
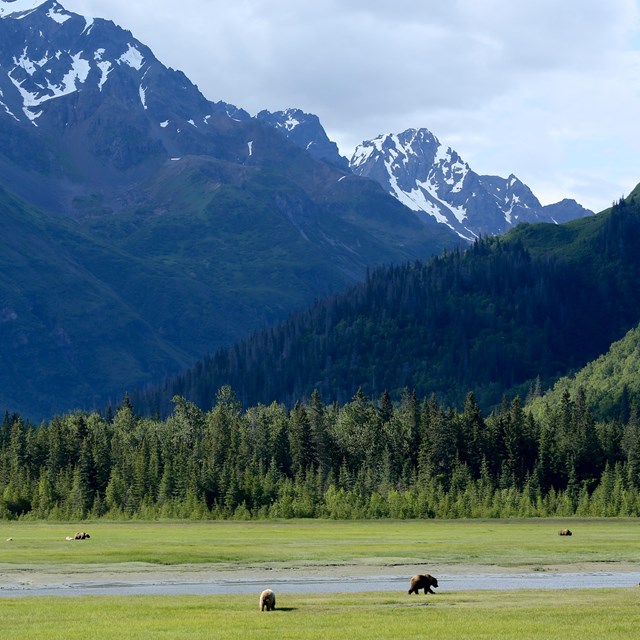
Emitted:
pixel 547 90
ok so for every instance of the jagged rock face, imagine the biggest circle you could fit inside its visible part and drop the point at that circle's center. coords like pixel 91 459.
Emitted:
pixel 432 180
pixel 305 130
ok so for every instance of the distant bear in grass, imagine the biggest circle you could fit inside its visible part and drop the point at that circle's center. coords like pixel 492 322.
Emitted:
pixel 268 600
pixel 565 532
pixel 423 581
pixel 82 535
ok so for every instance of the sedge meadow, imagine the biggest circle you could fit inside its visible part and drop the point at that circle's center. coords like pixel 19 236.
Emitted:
pixel 250 548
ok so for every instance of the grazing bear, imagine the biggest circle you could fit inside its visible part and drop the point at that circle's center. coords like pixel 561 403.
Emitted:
pixel 423 581
pixel 268 600
pixel 565 532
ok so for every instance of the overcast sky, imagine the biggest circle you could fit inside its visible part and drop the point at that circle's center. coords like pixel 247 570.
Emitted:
pixel 546 89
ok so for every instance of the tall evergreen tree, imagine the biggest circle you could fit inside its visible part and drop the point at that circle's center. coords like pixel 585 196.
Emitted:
pixel 301 443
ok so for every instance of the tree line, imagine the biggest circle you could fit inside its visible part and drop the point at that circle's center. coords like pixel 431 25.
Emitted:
pixel 367 458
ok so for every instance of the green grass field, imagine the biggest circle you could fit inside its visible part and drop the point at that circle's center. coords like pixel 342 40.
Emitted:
pixel 505 543
pixel 521 615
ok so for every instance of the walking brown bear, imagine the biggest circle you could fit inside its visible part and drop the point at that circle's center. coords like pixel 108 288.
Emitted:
pixel 423 581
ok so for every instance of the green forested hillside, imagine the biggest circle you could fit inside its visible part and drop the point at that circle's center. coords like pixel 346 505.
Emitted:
pixel 611 383
pixel 536 304
pixel 575 451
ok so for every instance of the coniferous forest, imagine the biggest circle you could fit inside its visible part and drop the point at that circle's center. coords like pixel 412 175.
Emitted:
pixel 366 459
pixel 540 302
pixel 508 314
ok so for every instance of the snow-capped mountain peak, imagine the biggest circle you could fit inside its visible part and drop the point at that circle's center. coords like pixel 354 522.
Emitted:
pixel 59 57
pixel 62 54
pixel 90 88
pixel 417 169
pixel 429 177
pixel 433 180
pixel 60 71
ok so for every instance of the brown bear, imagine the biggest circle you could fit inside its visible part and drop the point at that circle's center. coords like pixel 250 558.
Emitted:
pixel 565 532
pixel 422 581
pixel 268 600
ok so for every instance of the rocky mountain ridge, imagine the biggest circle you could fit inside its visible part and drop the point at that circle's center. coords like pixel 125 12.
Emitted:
pixel 430 178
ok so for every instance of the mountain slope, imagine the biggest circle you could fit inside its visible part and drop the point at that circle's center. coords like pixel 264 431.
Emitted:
pixel 540 302
pixel 611 382
pixel 49 355
pixel 187 216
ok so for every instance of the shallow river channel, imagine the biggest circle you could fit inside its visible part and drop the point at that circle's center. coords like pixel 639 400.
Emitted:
pixel 318 584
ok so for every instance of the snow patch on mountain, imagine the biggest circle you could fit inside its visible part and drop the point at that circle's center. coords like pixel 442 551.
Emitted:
pixel 290 123
pixel 57 14
pixel 77 73
pixel 30 66
pixel 132 57
pixel 88 26
pixel 104 66
pixel 7 110
pixel 19 6
pixel 361 155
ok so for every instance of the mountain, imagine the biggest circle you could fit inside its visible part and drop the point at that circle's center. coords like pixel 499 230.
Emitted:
pixel 433 181
pixel 305 131
pixel 429 178
pixel 537 303
pixel 151 224
pixel 88 107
